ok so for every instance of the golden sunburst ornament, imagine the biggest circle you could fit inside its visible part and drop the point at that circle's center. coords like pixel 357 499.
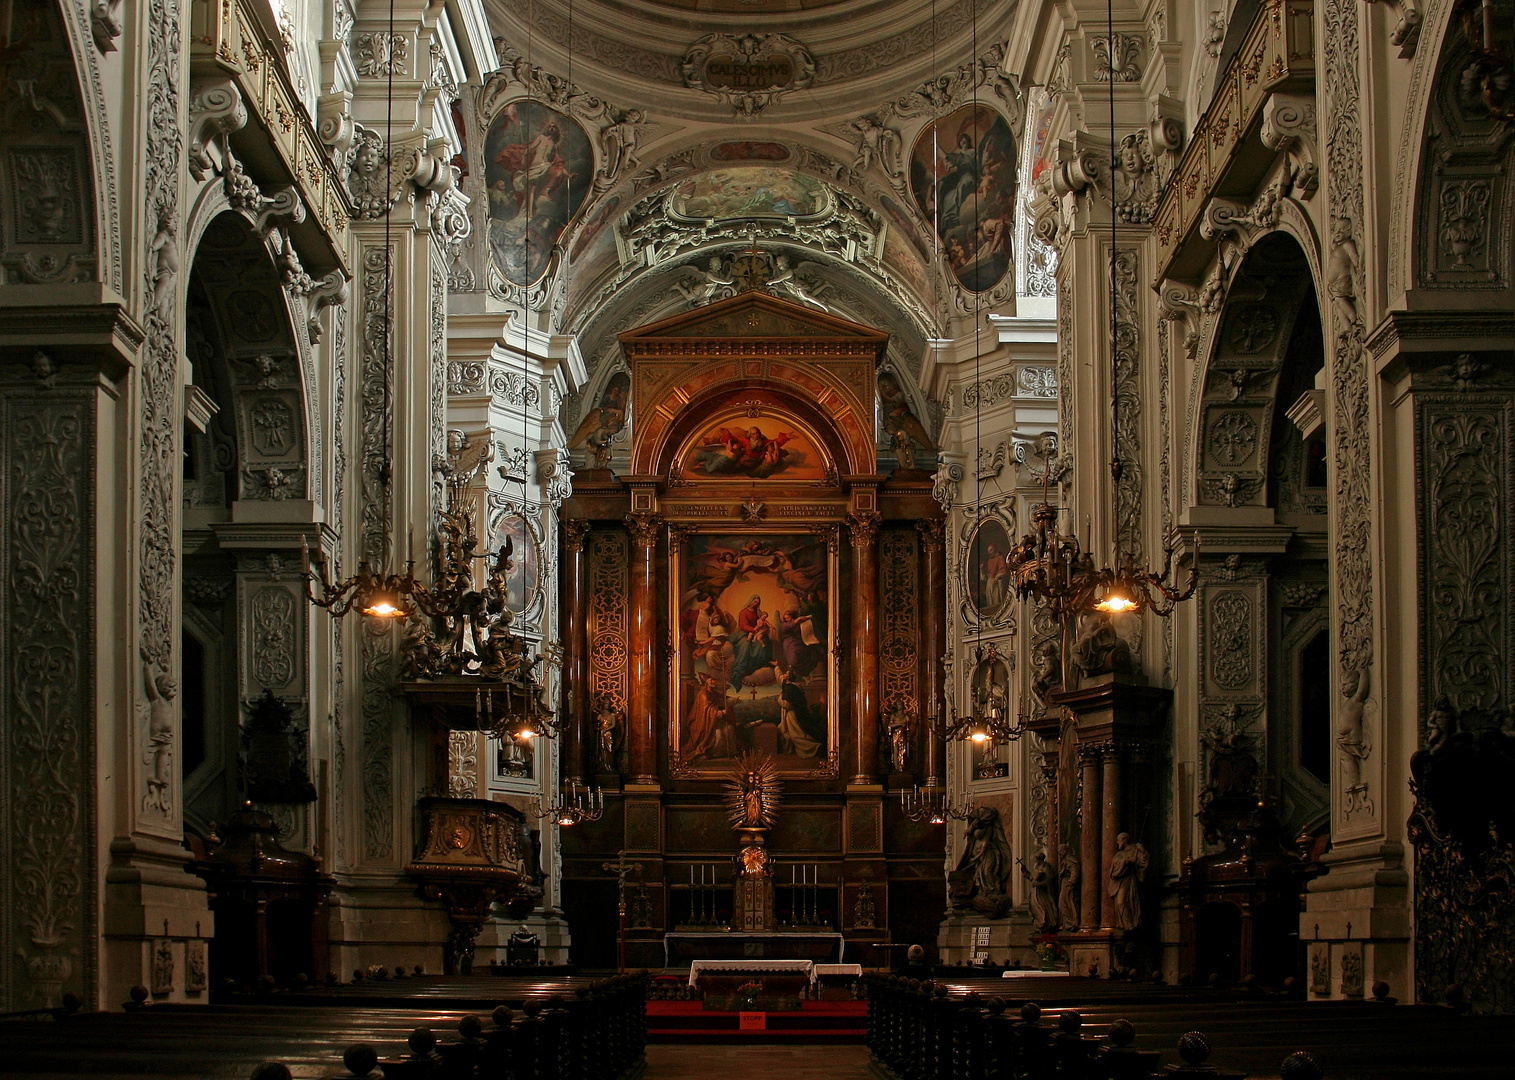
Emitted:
pixel 752 791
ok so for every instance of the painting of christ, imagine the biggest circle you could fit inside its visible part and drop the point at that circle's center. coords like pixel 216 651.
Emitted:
pixel 754 612
pixel 539 167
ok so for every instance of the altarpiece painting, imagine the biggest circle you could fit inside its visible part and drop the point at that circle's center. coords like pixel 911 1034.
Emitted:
pixel 755 613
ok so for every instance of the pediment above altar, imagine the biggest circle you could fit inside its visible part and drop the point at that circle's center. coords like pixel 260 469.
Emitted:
pixel 753 354
pixel 752 315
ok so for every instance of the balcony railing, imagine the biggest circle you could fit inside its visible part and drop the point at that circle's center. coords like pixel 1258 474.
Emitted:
pixel 1225 157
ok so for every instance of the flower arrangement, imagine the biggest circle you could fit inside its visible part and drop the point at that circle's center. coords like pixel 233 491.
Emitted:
pixel 749 990
pixel 1049 950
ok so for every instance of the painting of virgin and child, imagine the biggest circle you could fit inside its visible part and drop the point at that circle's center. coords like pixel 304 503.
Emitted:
pixel 754 617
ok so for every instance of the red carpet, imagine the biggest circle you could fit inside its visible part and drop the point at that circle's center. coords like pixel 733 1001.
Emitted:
pixel 814 1022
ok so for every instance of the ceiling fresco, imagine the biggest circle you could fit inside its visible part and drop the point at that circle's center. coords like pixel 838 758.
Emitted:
pixel 962 173
pixel 749 192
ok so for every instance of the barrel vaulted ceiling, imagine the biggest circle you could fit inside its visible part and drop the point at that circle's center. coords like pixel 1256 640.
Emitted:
pixel 818 173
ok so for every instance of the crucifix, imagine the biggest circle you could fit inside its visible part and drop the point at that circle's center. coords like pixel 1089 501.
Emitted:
pixel 620 868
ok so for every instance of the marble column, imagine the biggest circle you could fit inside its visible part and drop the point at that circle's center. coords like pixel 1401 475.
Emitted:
pixel 864 603
pixel 577 748
pixel 1110 828
pixel 933 624
pixel 1091 882
pixel 642 703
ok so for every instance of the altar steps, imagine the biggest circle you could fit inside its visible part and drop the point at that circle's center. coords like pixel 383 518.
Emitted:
pixel 816 1022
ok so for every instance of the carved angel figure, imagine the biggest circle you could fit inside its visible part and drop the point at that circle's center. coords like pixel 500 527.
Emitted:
pixel 620 141
pixel 784 283
pixel 715 286
pixel 875 143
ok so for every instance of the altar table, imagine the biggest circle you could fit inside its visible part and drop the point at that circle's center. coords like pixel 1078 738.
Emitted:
pixel 752 967
pixel 813 946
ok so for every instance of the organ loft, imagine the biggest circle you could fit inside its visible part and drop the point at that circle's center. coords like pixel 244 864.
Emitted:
pixel 549 538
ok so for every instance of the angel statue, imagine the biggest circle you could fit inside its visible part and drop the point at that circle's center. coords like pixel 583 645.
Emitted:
pixel 752 792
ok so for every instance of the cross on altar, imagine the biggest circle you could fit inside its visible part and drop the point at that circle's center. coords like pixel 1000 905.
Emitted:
pixel 620 868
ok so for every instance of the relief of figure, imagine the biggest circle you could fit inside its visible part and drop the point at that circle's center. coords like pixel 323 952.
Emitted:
pixel 1043 911
pixel 1352 739
pixel 1341 269
pixel 1099 649
pixel 620 141
pixel 981 881
pixel 159 757
pixel 1128 869
pixel 1068 896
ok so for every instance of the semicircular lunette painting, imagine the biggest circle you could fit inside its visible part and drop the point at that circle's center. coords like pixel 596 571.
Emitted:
pixel 749 192
pixel 737 447
pixel 539 169
pixel 962 173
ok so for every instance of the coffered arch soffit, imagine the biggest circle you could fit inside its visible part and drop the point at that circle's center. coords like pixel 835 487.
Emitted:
pixel 1232 405
pixel 245 351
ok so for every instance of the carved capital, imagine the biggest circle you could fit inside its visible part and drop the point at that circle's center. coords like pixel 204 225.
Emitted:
pixel 644 529
pixel 864 528
pixel 574 532
pixel 215 109
pixel 933 534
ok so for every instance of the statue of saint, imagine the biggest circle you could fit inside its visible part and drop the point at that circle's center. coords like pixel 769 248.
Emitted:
pixel 1128 869
pixel 981 881
pixel 1043 911
pixel 1067 892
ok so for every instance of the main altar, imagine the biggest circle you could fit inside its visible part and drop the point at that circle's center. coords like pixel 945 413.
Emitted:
pixel 743 558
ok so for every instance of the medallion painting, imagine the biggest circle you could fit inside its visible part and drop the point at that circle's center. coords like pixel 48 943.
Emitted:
pixel 539 171
pixel 522 582
pixel 739 447
pixel 963 175
pixel 987 574
pixel 755 612
pixel 749 192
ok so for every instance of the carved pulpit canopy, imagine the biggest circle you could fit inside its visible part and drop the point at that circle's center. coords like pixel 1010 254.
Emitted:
pixel 735 360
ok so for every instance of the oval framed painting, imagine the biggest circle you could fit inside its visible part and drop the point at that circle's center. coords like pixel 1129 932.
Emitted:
pixel 962 173
pixel 524 582
pixel 539 167
pixel 986 574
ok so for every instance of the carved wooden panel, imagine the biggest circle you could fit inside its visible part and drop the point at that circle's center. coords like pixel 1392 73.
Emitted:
pixel 47 910
pixel 609 556
pixel 899 635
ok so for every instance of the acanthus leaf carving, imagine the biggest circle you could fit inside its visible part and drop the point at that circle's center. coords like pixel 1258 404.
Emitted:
pixel 1115 58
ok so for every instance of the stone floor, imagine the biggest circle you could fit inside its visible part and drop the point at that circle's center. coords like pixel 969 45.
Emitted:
pixel 747 1062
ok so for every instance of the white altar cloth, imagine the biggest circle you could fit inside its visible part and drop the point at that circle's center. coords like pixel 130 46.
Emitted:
pixel 756 966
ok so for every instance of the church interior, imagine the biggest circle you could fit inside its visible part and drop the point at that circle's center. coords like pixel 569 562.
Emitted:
pixel 895 538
